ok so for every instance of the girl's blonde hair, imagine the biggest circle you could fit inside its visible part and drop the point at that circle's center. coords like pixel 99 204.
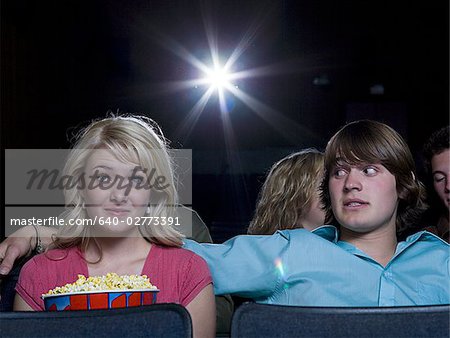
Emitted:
pixel 134 139
pixel 287 192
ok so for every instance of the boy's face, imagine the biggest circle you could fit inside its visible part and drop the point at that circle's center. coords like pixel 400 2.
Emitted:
pixel 363 197
pixel 440 166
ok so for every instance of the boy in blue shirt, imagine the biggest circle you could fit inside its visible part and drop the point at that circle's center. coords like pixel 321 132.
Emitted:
pixel 371 191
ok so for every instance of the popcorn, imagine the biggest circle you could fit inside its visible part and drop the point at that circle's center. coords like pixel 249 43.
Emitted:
pixel 111 281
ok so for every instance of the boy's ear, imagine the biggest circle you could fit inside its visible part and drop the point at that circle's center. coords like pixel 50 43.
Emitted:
pixel 403 194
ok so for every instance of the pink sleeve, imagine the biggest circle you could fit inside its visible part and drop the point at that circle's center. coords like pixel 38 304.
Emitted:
pixel 196 277
pixel 29 286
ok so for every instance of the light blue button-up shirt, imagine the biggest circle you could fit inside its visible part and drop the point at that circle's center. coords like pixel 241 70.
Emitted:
pixel 298 267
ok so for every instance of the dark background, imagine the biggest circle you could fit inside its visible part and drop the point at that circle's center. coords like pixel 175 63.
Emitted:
pixel 65 62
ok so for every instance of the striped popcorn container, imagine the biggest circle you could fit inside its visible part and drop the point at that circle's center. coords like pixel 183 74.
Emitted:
pixel 90 300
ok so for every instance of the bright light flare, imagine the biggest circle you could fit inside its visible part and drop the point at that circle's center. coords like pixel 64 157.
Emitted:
pixel 218 78
pixel 221 79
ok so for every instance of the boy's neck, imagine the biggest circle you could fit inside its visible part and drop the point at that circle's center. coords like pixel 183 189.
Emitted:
pixel 380 245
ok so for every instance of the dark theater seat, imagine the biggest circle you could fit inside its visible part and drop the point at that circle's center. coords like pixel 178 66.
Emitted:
pixel 262 320
pixel 158 320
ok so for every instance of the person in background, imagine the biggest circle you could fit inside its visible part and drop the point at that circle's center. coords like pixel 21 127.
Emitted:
pixel 289 197
pixel 370 191
pixel 436 153
pixel 116 156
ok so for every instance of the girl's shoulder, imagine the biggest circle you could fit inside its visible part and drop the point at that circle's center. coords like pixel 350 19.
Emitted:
pixel 176 255
pixel 55 263
pixel 54 255
pixel 172 251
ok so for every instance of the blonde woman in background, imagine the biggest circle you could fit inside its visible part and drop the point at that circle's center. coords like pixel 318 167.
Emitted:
pixel 289 197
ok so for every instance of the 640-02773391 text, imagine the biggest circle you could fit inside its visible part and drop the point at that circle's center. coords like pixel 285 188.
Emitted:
pixel 57 221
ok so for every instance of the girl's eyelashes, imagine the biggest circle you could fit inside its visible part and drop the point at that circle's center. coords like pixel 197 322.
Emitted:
pixel 137 180
pixel 102 177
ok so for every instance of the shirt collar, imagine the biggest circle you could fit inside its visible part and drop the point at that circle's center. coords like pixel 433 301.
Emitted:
pixel 351 249
pixel 418 236
pixel 401 246
pixel 328 232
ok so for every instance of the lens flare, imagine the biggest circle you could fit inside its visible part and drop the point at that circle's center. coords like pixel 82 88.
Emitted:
pixel 279 266
pixel 223 75
pixel 218 78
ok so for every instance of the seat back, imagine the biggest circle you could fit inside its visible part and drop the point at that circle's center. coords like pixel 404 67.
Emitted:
pixel 158 320
pixel 262 320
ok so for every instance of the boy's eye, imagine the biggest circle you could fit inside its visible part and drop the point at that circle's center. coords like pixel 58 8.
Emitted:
pixel 339 172
pixel 370 171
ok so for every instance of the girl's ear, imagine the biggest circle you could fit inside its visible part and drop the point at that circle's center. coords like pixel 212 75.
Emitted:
pixel 81 191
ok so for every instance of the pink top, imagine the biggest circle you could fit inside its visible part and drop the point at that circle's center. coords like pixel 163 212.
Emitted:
pixel 179 274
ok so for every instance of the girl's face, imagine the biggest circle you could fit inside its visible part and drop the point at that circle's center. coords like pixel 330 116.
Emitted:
pixel 440 166
pixel 363 197
pixel 115 195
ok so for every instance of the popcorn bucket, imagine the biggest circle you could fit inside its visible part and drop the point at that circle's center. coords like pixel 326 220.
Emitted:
pixel 90 300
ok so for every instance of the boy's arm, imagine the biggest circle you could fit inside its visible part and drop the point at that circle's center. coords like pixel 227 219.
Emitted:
pixel 244 265
pixel 21 243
